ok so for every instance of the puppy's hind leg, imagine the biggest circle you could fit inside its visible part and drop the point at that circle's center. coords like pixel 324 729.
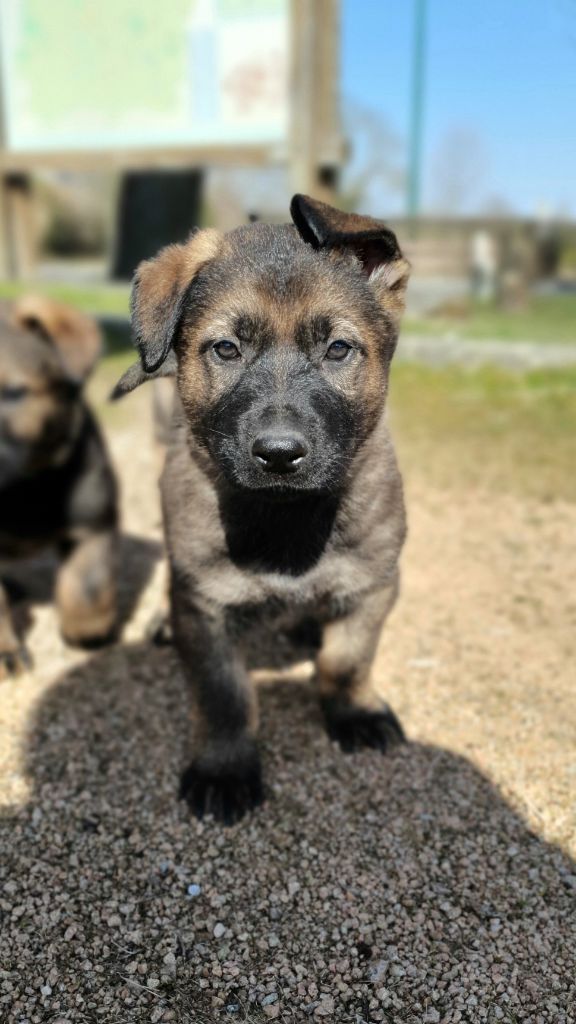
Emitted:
pixel 224 778
pixel 356 715
pixel 86 591
pixel 14 657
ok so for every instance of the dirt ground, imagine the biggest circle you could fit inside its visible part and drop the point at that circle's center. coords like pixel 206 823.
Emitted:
pixel 435 885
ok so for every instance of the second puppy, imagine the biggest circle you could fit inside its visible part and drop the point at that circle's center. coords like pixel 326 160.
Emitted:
pixel 57 487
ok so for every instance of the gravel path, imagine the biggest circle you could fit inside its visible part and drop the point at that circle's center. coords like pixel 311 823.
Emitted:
pixel 432 886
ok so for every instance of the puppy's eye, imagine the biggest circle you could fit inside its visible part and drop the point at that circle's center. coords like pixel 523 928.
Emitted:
pixel 13 393
pixel 338 350
pixel 226 350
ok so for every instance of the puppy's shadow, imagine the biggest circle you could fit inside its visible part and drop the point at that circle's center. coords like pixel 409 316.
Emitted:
pixel 31 581
pixel 422 865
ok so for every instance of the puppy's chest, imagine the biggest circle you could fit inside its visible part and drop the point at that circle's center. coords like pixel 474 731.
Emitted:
pixel 316 558
pixel 331 586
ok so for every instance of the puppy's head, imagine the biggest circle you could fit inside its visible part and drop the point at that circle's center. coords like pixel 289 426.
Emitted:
pixel 46 352
pixel 282 337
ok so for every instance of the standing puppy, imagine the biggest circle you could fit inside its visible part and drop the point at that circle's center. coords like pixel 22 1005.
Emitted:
pixel 57 487
pixel 281 494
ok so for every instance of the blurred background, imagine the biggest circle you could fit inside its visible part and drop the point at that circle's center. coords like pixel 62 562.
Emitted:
pixel 124 125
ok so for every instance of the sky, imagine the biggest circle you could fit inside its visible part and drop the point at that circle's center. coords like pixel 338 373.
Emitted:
pixel 500 99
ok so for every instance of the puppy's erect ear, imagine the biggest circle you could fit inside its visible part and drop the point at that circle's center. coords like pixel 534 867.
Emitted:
pixel 74 335
pixel 374 245
pixel 159 293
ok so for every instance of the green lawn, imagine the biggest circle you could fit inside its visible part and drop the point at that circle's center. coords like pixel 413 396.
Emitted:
pixel 487 428
pixel 546 319
pixel 98 299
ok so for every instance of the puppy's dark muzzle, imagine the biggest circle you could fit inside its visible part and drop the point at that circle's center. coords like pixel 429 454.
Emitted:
pixel 279 452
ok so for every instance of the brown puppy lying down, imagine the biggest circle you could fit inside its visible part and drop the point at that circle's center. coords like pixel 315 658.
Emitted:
pixel 57 487
pixel 281 494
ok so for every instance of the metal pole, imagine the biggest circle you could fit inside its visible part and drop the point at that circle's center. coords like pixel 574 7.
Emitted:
pixel 416 112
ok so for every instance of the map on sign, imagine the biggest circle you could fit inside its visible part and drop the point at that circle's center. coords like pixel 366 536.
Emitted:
pixel 115 74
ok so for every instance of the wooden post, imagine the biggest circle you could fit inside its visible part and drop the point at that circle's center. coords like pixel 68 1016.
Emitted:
pixel 316 147
pixel 19 234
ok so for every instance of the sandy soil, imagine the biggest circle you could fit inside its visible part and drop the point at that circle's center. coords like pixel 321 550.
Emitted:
pixel 434 885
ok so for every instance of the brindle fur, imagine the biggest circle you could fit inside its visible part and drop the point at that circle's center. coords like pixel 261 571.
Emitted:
pixel 246 549
pixel 57 487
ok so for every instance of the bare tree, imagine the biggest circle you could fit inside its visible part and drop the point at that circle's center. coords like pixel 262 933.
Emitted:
pixel 458 171
pixel 374 174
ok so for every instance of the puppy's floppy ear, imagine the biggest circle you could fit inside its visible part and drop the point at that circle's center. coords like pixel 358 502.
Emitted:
pixel 374 245
pixel 159 293
pixel 74 335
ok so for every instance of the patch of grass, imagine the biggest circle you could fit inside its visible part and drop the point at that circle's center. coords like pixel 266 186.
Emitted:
pixel 487 428
pixel 546 319
pixel 110 299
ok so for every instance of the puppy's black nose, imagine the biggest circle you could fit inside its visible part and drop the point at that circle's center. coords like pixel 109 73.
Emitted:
pixel 279 453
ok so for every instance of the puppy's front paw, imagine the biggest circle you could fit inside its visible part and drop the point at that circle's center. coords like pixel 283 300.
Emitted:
pixel 227 792
pixel 355 728
pixel 14 662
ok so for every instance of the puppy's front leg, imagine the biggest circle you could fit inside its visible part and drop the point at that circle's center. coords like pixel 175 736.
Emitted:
pixel 14 657
pixel 355 713
pixel 224 778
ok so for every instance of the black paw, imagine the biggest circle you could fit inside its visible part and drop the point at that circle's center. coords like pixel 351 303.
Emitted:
pixel 14 663
pixel 357 728
pixel 227 793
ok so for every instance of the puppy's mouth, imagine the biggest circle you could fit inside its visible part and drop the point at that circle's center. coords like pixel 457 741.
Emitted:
pixel 283 491
pixel 274 485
